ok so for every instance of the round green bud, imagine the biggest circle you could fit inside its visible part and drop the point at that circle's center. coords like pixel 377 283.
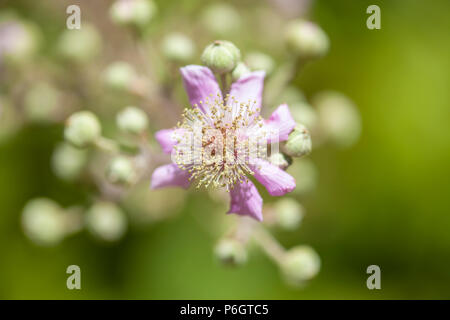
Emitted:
pixel 68 161
pixel 119 75
pixel 299 142
pixel 281 160
pixel 300 264
pixel 240 70
pixel 133 12
pixel 221 56
pixel 221 19
pixel 121 171
pixel 260 61
pixel 304 113
pixel 82 129
pixel 132 120
pixel 288 214
pixel 42 221
pixel 41 102
pixel 339 118
pixel 305 173
pixel 231 252
pixel 80 45
pixel 106 221
pixel 177 47
pixel 306 39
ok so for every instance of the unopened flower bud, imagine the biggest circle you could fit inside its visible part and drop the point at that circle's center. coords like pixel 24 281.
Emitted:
pixel 119 75
pixel 339 118
pixel 132 120
pixel 82 129
pixel 221 56
pixel 177 47
pixel 133 12
pixel 42 221
pixel 300 264
pixel 231 252
pixel 281 160
pixel 260 61
pixel 121 171
pixel 80 45
pixel 240 70
pixel 106 221
pixel 306 39
pixel 68 161
pixel 41 102
pixel 299 142
pixel 288 213
pixel 221 19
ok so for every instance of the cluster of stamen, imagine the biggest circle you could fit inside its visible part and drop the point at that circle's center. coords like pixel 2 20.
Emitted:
pixel 216 147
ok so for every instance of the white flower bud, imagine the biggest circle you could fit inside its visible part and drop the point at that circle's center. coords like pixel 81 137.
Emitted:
pixel 288 213
pixel 221 19
pixel 240 70
pixel 121 171
pixel 133 12
pixel 300 264
pixel 106 221
pixel 42 221
pixel 41 102
pixel 82 129
pixel 281 160
pixel 304 113
pixel 80 45
pixel 177 47
pixel 306 39
pixel 68 161
pixel 305 173
pixel 339 118
pixel 132 120
pixel 260 61
pixel 119 75
pixel 299 142
pixel 231 252
pixel 221 56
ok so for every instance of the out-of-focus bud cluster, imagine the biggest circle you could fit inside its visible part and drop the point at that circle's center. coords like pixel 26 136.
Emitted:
pixel 306 40
pixel 136 13
pixel 300 264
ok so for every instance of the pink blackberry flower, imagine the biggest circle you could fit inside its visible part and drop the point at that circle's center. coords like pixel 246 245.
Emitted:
pixel 222 140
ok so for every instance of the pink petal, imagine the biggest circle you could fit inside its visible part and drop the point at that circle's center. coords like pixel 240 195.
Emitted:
pixel 276 181
pixel 200 84
pixel 170 175
pixel 167 139
pixel 280 123
pixel 249 88
pixel 246 201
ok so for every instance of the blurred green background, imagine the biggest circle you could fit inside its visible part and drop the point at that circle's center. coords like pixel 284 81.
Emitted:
pixel 384 201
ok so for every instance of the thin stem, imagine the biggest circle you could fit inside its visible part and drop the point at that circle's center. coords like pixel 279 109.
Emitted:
pixel 107 145
pixel 269 244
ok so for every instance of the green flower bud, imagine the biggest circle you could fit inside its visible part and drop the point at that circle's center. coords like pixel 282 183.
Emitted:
pixel 41 102
pixel 221 56
pixel 288 213
pixel 119 75
pixel 177 47
pixel 339 118
pixel 300 264
pixel 281 160
pixel 132 120
pixel 299 142
pixel 121 171
pixel 106 221
pixel 133 12
pixel 231 252
pixel 221 19
pixel 42 221
pixel 306 39
pixel 240 70
pixel 68 161
pixel 260 61
pixel 304 113
pixel 305 173
pixel 79 45
pixel 82 129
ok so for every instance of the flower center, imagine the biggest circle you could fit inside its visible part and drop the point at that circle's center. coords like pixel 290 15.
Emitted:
pixel 215 145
